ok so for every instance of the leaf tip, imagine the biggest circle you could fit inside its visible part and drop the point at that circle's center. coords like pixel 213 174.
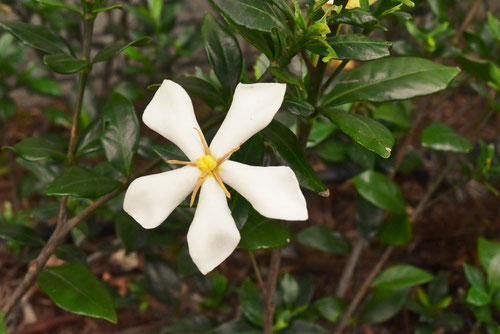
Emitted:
pixel 325 193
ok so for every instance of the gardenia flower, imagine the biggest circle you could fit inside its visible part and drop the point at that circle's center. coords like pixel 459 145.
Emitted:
pixel 273 191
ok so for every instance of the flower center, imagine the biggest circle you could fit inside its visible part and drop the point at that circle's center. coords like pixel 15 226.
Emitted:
pixel 206 164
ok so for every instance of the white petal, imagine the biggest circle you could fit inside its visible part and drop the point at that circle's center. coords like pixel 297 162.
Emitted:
pixel 150 199
pixel 171 114
pixel 253 108
pixel 273 191
pixel 213 234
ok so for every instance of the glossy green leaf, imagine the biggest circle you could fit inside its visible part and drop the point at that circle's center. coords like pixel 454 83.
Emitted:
pixel 351 46
pixel 262 233
pixel 363 130
pixel 120 138
pixel 400 277
pixel 479 68
pixel 7 108
pixel 441 137
pixel 297 107
pixel 63 63
pixel 356 17
pixel 381 191
pixel 169 152
pixel 81 182
pixel 37 36
pixel 330 308
pixel 90 140
pixel 288 152
pixel 390 79
pixel 250 302
pixel 116 48
pixel 202 89
pixel 368 219
pixel 324 239
pixel 35 149
pixel 390 113
pixel 252 14
pixel 162 279
pixel 223 53
pixel 382 305
pixel 75 289
pixel 395 231
pixel 20 234
pixel 475 277
pixel 303 327
pixel 57 116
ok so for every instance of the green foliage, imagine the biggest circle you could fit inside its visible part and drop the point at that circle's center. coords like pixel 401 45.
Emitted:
pixel 324 239
pixel 74 288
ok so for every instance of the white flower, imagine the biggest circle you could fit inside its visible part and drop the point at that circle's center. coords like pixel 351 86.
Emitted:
pixel 273 191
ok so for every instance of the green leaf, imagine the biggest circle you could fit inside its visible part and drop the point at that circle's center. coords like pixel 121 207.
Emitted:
pixel 475 277
pixel 395 231
pixel 361 156
pixel 324 239
pixel 155 9
pixel 169 152
pixel 81 182
pixel 290 289
pixel 64 64
pixel 494 274
pixel 162 280
pixel 486 251
pixel 330 308
pixel 382 305
pixel 72 254
pixel 381 191
pixel 116 48
pixel 252 14
pixel 59 4
pixel 90 140
pixel 75 289
pixel 304 327
pixel 332 150
pixel 250 303
pixel 202 89
pixel 400 277
pixel 35 149
pixel 297 107
pixel 390 79
pixel 105 9
pixel 288 77
pixel 236 326
pixel 356 17
pixel 363 130
pixel 20 234
pixel 351 46
pixel 441 137
pixel 7 107
pixel 477 297
pixel 120 137
pixel 189 325
pixel 57 116
pixel 131 234
pixel 288 152
pixel 390 113
pixel 262 233
pixel 37 36
pixel 45 86
pixel 223 53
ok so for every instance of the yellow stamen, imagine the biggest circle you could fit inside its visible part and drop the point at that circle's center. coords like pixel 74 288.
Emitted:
pixel 204 143
pixel 219 181
pixel 198 185
pixel 206 164
pixel 178 162
pixel 225 156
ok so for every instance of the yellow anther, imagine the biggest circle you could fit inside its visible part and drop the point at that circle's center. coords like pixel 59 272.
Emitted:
pixel 206 164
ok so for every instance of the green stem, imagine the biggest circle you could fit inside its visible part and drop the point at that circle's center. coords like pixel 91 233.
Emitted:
pixel 333 76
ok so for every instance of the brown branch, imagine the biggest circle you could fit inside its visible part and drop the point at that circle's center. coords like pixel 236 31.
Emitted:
pixel 348 272
pixel 257 271
pixel 272 278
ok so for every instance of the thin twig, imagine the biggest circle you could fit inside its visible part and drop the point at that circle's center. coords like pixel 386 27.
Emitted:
pixel 257 271
pixel 272 278
pixel 348 272
pixel 333 76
